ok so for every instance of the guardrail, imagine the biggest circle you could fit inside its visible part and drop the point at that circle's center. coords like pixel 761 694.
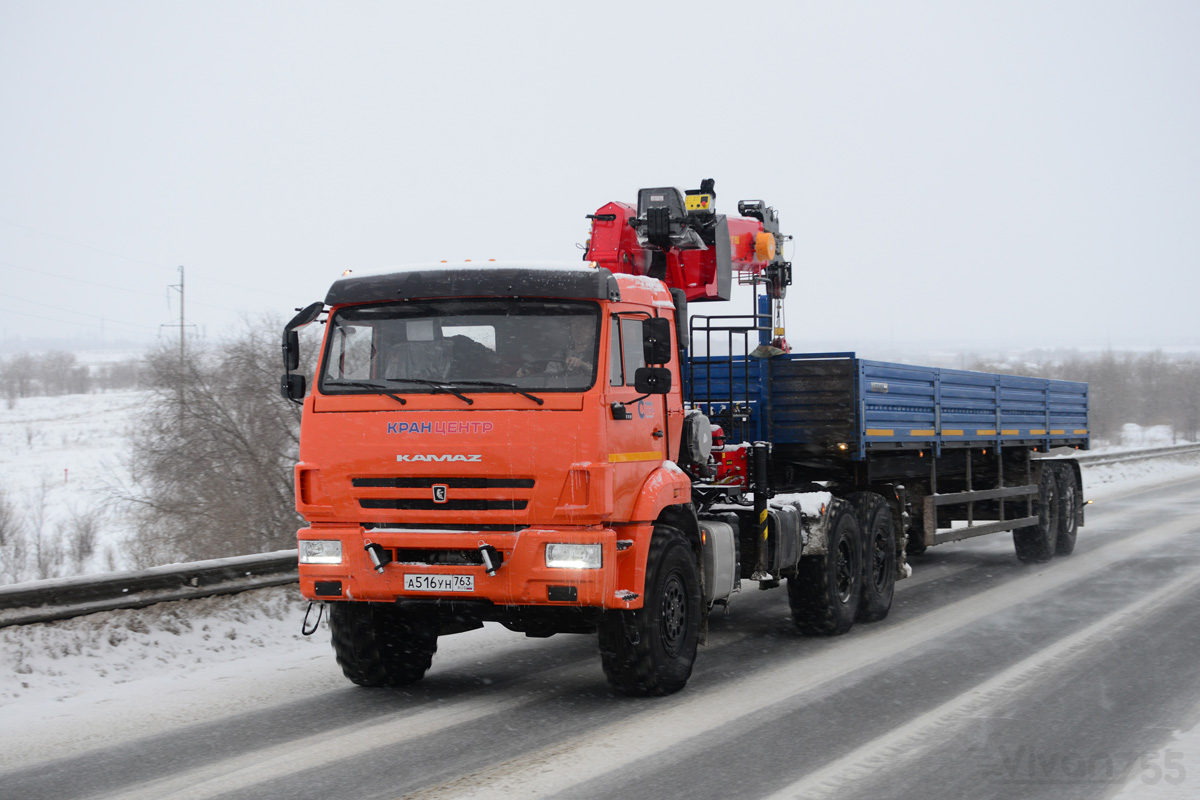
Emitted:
pixel 63 598
pixel 1144 454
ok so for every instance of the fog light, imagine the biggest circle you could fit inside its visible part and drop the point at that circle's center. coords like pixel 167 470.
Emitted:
pixel 320 552
pixel 573 556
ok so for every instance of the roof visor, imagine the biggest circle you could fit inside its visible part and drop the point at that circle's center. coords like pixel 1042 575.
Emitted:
pixel 573 283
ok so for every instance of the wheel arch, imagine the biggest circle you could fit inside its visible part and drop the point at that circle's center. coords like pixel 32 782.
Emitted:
pixel 683 518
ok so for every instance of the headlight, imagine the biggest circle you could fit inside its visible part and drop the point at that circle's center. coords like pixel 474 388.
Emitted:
pixel 573 556
pixel 320 552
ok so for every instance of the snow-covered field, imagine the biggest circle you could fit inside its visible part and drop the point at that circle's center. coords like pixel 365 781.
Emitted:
pixel 60 458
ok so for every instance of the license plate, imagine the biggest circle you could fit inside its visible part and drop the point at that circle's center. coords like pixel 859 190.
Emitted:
pixel 439 583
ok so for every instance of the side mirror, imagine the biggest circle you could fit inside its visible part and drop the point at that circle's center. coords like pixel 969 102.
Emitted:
pixel 291 350
pixel 291 339
pixel 652 380
pixel 306 315
pixel 292 387
pixel 656 340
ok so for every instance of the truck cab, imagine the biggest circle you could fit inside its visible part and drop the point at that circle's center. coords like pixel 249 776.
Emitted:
pixel 490 443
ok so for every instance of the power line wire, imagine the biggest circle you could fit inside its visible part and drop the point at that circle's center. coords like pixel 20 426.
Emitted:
pixel 271 292
pixel 9 311
pixel 202 276
pixel 80 280
pixel 110 286
pixel 83 244
pixel 103 319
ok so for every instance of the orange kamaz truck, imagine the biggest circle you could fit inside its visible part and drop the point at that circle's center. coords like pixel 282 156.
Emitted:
pixel 568 449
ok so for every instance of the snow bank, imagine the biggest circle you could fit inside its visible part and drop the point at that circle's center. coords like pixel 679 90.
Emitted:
pixel 57 660
pixel 1110 479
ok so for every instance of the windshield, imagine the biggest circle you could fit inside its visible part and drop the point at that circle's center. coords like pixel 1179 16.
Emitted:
pixel 491 345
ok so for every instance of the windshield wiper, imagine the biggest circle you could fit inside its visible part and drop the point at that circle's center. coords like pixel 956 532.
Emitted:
pixel 369 385
pixel 436 385
pixel 512 387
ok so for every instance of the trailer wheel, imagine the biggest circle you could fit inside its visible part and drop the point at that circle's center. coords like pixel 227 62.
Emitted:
pixel 1035 544
pixel 1068 510
pixel 874 517
pixel 826 592
pixel 650 651
pixel 376 644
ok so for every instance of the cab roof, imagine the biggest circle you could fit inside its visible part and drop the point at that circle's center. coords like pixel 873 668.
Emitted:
pixel 571 280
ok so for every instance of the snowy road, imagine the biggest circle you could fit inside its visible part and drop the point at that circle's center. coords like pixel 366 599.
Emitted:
pixel 1075 679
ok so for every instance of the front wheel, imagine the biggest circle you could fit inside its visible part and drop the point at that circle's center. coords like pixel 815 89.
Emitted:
pixel 378 645
pixel 650 651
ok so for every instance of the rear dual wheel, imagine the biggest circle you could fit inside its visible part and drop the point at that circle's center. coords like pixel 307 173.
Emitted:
pixel 1068 509
pixel 874 517
pixel 826 593
pixel 1036 544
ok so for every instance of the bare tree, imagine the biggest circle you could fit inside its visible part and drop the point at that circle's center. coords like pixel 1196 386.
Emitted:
pixel 80 532
pixel 12 541
pixel 9 524
pixel 119 375
pixel 46 550
pixel 1147 389
pixel 58 373
pixel 213 454
pixel 18 374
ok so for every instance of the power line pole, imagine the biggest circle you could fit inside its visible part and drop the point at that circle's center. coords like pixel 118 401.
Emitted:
pixel 182 353
pixel 182 320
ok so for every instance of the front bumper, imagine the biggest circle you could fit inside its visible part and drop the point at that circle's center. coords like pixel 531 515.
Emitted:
pixel 522 579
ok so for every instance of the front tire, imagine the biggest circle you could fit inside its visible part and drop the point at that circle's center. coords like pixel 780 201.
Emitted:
pixel 378 645
pixel 650 651
pixel 826 592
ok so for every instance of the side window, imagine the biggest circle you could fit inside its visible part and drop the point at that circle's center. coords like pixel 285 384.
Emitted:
pixel 354 349
pixel 632 353
pixel 615 376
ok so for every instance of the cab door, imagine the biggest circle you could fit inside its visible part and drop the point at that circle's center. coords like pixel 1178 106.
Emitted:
pixel 637 428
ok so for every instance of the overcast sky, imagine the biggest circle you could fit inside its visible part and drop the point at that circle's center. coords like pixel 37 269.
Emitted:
pixel 958 174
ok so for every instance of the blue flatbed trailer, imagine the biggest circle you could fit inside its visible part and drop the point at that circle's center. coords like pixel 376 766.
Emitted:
pixel 962 453
pixel 837 403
